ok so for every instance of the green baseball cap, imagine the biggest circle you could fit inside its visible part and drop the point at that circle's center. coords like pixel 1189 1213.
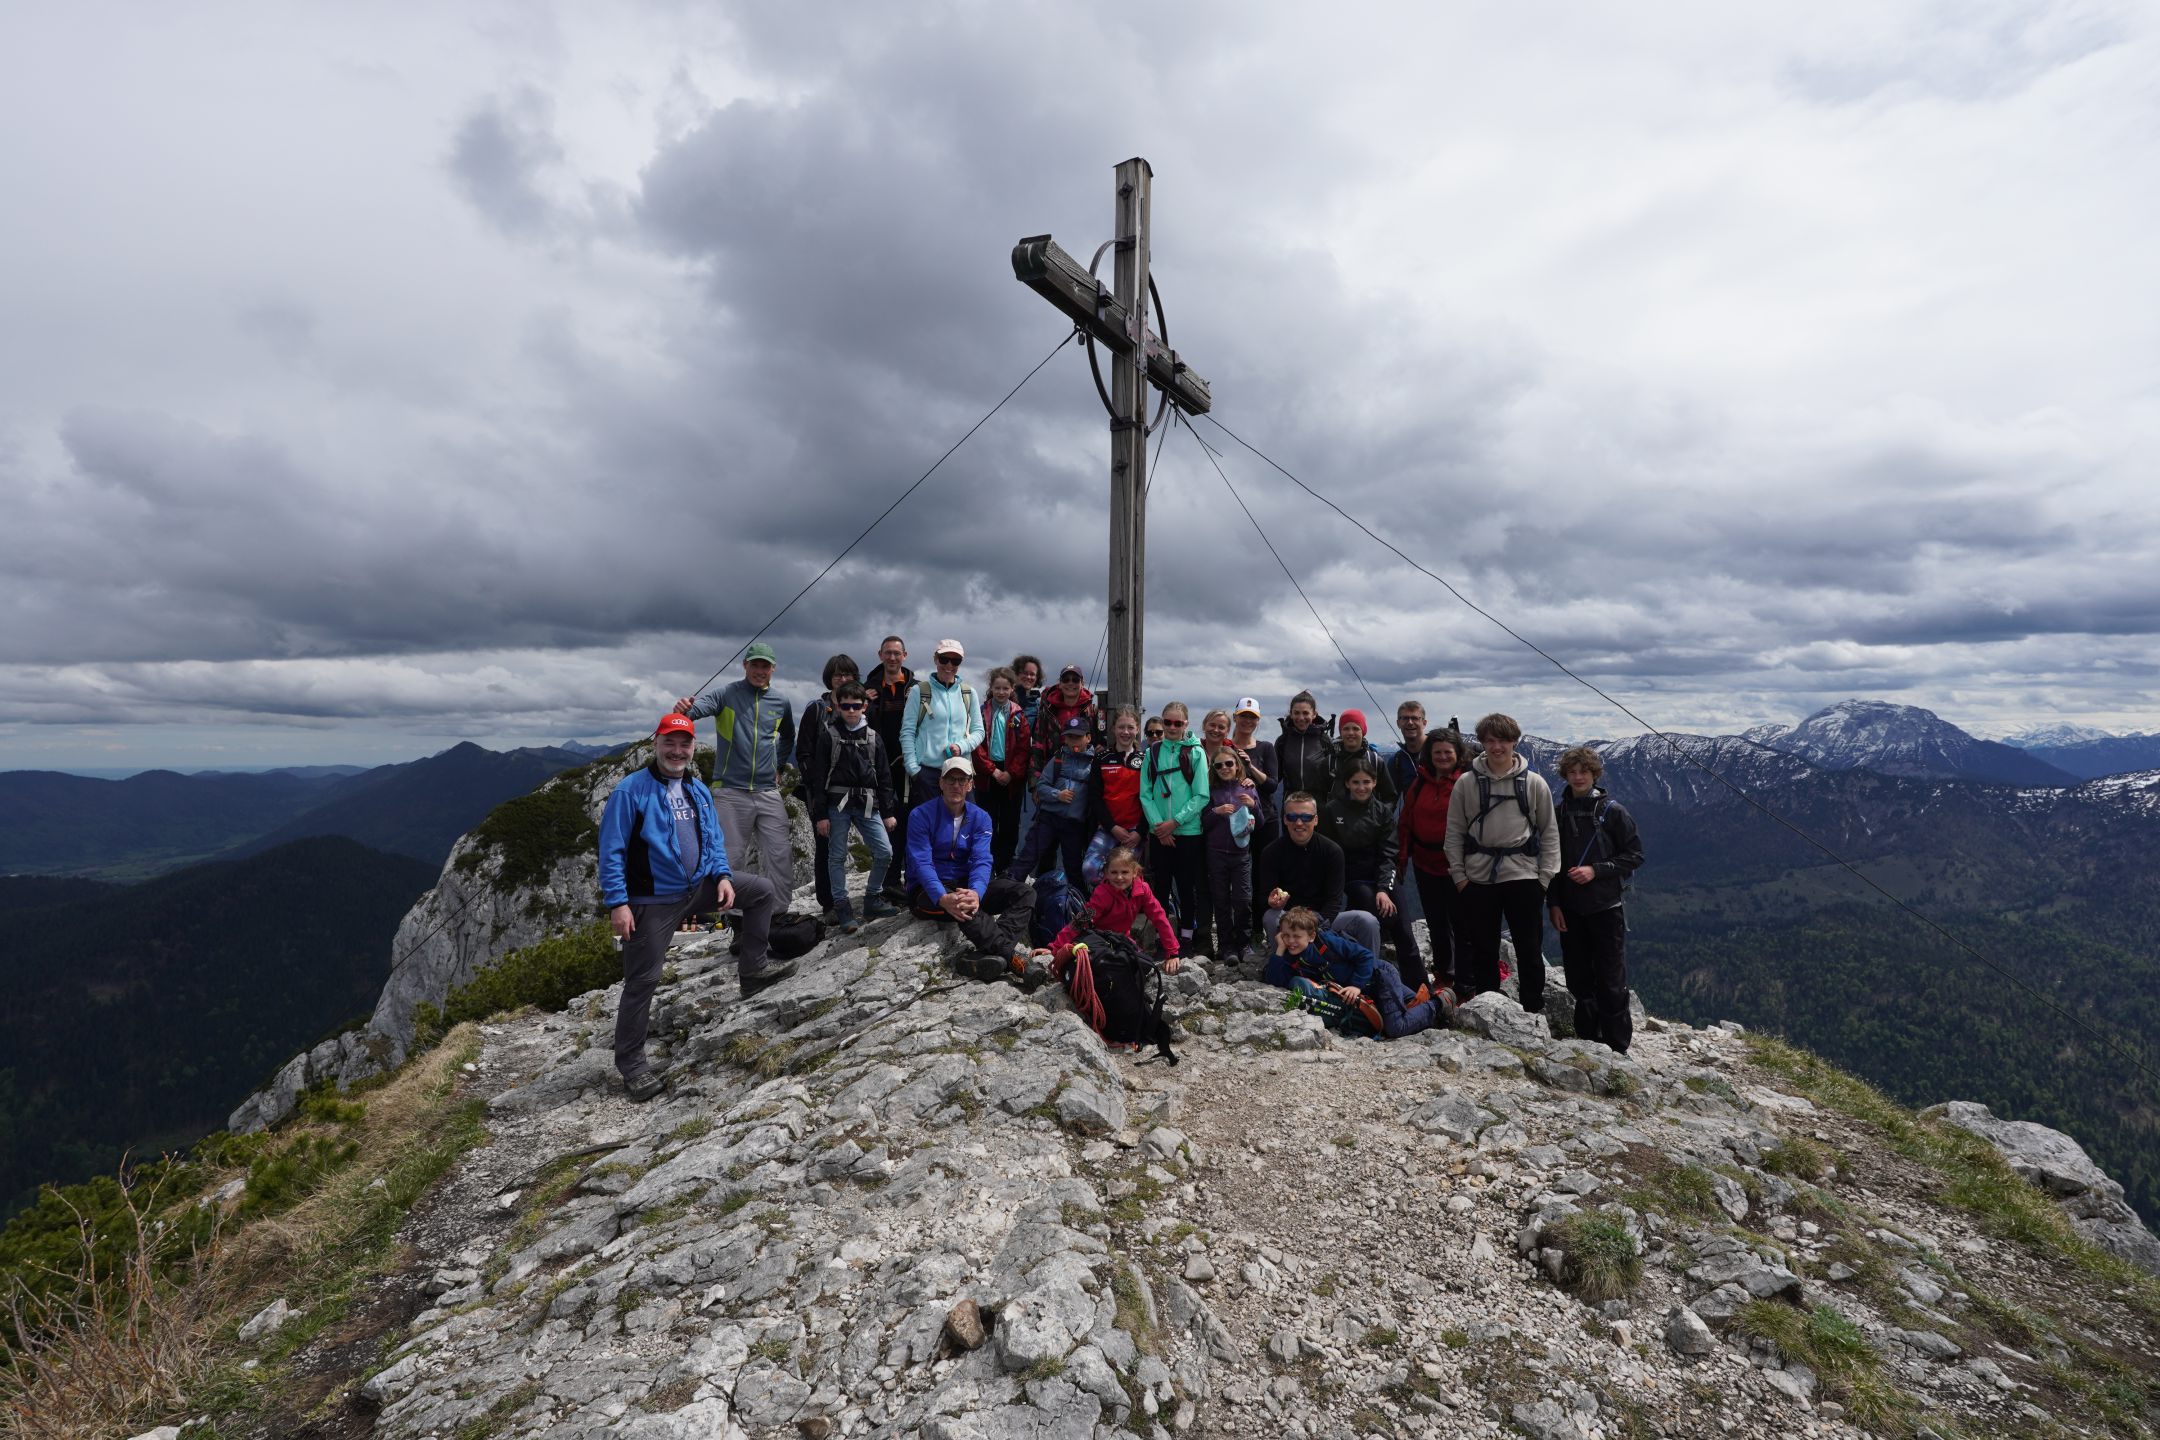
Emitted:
pixel 759 650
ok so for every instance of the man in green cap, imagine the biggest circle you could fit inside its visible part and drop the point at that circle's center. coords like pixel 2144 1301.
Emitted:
pixel 755 727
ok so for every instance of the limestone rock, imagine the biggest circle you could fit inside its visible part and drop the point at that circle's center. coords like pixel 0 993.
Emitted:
pixel 2059 1165
pixel 268 1321
pixel 1493 1016
pixel 1686 1333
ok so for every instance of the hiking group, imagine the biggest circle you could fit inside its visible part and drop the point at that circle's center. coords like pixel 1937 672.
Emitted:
pixel 1074 846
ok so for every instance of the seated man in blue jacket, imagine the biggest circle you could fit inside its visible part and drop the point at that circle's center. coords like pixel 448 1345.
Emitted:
pixel 1308 959
pixel 662 858
pixel 948 850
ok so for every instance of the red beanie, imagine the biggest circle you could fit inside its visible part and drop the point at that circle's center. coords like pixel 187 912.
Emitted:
pixel 1353 717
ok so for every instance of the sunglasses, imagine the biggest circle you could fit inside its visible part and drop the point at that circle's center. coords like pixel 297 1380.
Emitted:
pixel 1173 724
pixel 948 659
pixel 1299 819
pixel 851 704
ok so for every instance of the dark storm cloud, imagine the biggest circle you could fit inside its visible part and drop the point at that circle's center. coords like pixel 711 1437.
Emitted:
pixel 499 158
pixel 713 363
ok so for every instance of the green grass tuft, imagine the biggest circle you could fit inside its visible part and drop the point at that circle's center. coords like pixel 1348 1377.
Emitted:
pixel 1600 1260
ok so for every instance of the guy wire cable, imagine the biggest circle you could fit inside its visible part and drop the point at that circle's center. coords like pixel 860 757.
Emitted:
pixel 1209 451
pixel 1848 866
pixel 414 948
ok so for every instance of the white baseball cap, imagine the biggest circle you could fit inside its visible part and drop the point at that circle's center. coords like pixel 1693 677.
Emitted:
pixel 948 647
pixel 955 763
pixel 1247 706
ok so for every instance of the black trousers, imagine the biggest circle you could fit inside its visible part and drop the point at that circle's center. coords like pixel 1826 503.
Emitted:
pixel 1002 803
pixel 1359 895
pixel 1230 901
pixel 1178 875
pixel 1000 925
pixel 1437 894
pixel 1480 912
pixel 1266 833
pixel 1593 956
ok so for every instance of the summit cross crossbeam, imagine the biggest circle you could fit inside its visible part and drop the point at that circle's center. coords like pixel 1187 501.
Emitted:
pixel 1116 319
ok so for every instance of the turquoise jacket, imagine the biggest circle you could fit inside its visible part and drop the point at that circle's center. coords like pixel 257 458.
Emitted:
pixel 1174 784
pixel 950 724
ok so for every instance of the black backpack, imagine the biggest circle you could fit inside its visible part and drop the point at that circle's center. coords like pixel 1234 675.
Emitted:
pixel 793 935
pixel 1120 977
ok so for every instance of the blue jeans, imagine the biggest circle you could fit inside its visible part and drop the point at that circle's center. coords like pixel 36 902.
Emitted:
pixel 865 823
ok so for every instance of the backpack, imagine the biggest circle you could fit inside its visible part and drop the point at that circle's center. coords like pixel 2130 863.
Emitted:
pixel 1486 805
pixel 1359 1019
pixel 1186 762
pixel 922 699
pixel 1108 985
pixel 1054 906
pixel 792 935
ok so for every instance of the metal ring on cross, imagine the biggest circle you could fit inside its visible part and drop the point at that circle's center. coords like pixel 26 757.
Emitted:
pixel 1095 366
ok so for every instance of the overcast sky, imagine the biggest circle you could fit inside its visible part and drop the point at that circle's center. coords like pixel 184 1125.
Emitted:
pixel 375 377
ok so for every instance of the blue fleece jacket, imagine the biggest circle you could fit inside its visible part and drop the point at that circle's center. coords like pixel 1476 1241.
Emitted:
pixel 1067 769
pixel 945 854
pixel 1330 957
pixel 638 852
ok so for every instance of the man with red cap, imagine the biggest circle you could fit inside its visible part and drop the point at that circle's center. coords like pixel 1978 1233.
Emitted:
pixel 662 857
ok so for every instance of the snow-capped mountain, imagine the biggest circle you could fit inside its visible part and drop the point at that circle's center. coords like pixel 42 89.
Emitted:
pixel 2104 755
pixel 1907 740
pixel 2039 737
pixel 1645 767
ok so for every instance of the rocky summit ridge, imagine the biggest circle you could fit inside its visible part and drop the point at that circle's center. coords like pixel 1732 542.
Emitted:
pixel 878 1200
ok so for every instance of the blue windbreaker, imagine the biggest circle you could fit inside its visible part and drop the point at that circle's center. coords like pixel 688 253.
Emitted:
pixel 638 855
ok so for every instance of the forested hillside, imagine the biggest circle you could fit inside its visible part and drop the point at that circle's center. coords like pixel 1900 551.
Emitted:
pixel 137 1014
pixel 1737 918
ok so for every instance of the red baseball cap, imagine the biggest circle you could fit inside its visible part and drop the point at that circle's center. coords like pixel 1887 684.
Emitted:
pixel 674 724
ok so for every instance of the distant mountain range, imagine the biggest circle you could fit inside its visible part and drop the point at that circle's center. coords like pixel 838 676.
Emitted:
pixel 1736 916
pixel 160 821
pixel 2093 753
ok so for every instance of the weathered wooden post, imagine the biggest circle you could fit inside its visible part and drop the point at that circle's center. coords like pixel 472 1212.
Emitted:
pixel 1116 318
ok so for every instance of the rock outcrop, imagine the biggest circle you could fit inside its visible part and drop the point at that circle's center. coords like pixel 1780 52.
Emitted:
pixel 2060 1166
pixel 513 880
pixel 878 1200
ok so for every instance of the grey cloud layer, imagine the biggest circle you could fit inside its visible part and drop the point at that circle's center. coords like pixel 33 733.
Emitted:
pixel 795 299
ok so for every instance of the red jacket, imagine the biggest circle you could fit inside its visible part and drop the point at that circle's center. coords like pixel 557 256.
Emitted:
pixel 1052 713
pixel 1019 751
pixel 1421 834
pixel 1110 908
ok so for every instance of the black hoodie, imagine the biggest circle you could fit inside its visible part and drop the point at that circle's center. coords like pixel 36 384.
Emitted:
pixel 1595 831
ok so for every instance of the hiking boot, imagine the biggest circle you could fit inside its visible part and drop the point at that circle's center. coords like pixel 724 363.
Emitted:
pixel 764 979
pixel 978 966
pixel 642 1085
pixel 830 918
pixel 877 909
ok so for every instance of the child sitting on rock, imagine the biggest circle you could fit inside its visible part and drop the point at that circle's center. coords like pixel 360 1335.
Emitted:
pixel 1326 964
pixel 1122 898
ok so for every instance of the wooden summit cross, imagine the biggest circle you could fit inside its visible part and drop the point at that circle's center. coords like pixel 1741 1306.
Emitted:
pixel 1117 319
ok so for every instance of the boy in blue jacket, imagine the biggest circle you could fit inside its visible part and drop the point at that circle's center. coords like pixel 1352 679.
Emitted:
pixel 662 858
pixel 1307 959
pixel 1061 798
